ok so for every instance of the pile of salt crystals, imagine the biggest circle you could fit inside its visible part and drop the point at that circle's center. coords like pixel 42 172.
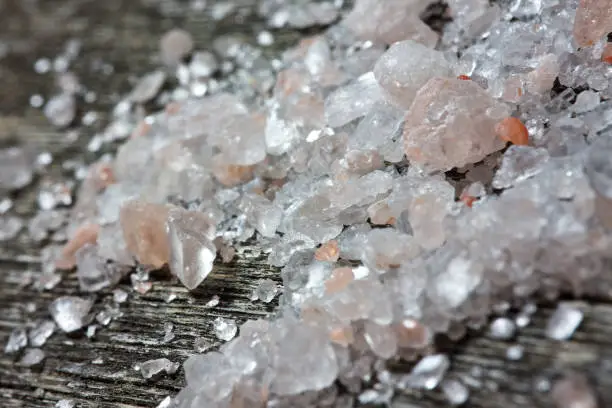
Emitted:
pixel 347 161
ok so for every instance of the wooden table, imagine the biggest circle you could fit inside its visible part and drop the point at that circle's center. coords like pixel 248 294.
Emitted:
pixel 125 34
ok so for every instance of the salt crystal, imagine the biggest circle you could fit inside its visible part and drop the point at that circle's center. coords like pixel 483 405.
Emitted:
pixel 168 332
pixel 381 339
pixel 265 291
pixel 10 227
pixel 151 368
pixel 32 357
pixel 214 301
pixel 165 403
pixel 586 101
pixel 201 344
pixel 91 331
pixel 93 272
pixel 574 391
pixel 61 110
pixel 563 322
pixel 225 329
pixel 70 312
pixel 144 231
pixel 120 295
pixel 515 352
pixel 203 64
pixel 65 403
pixel 429 371
pixel 147 87
pixel 502 328
pixel 455 392
pixel 15 169
pixel 352 101
pixel 593 21
pixel 442 130
pixel 175 45
pixel 17 340
pixel 191 251
pixel 265 38
pixel 519 163
pixel 41 332
pixel 406 67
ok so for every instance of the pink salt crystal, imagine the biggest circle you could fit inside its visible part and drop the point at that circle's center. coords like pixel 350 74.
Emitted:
pixel 329 251
pixel 390 21
pixel 573 391
pixel 85 234
pixel 339 279
pixel 412 334
pixel 342 336
pixel 542 78
pixel 593 21
pixel 452 123
pixel 513 89
pixel 144 231
pixel 231 175
pixel 381 214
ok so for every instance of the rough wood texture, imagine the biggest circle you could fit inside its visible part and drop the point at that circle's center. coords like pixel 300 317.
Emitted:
pixel 124 33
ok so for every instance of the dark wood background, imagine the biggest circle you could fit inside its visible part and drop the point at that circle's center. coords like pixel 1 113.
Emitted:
pixel 125 34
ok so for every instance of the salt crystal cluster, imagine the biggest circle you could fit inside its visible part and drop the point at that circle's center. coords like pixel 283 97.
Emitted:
pixel 403 191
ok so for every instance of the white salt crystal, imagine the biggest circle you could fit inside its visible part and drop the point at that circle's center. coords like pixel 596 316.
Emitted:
pixel 352 101
pixel 585 102
pixel 70 312
pixel 201 344
pixel 225 329
pixel 32 357
pixel 175 45
pixel 165 403
pixel 515 352
pixel 10 227
pixel 93 272
pixel 61 110
pixel 455 392
pixel 564 322
pixel 429 371
pixel 147 87
pixel 151 368
pixel 519 163
pixel 41 332
pixel 214 301
pixel 15 169
pixel 17 340
pixel 502 328
pixel 265 291
pixel 381 339
pixel 65 403
pixel 203 64
pixel 120 295
pixel 406 67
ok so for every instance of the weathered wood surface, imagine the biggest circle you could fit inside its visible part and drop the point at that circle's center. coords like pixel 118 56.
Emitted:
pixel 124 33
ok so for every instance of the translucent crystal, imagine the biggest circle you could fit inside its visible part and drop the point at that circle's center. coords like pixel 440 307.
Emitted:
pixel 203 64
pixel 144 231
pixel 175 45
pixel 429 371
pixel 225 329
pixel 65 403
pixel 93 272
pixel 593 21
pixel 17 340
pixel 574 391
pixel 599 167
pixel 519 163
pixel 61 110
pixel 515 352
pixel 9 227
pixel 15 169
pixel 502 328
pixel 32 357
pixel 586 101
pixel 381 339
pixel 201 344
pixel 564 321
pixel 41 332
pixel 451 124
pixel 151 368
pixel 165 403
pixel 455 392
pixel 406 67
pixel 265 291
pixel 120 295
pixel 352 101
pixel 70 312
pixel 147 87
pixel 261 213
pixel 192 252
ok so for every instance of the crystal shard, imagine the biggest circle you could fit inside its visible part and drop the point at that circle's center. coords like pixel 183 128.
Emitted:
pixel 429 371
pixel 151 368
pixel 192 252
pixel 563 322
pixel 593 21
pixel 16 170
pixel 452 123
pixel 70 312
pixel 406 67
pixel 17 340
pixel 32 357
pixel 41 332
pixel 225 329
pixel 144 231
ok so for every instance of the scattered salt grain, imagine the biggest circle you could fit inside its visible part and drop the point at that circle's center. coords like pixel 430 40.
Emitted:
pixel 564 322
